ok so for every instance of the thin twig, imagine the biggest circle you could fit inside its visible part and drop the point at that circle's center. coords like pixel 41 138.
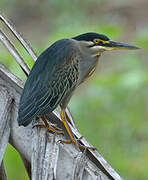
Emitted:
pixel 13 51
pixel 19 37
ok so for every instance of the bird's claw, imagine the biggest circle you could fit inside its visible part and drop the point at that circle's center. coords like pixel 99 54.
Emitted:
pixel 50 129
pixel 77 144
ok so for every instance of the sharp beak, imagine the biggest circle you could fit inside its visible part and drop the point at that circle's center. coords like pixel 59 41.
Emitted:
pixel 111 45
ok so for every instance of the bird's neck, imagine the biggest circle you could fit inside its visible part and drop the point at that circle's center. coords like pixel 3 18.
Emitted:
pixel 92 68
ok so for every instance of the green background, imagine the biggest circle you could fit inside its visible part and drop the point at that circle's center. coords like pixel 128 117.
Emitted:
pixel 111 108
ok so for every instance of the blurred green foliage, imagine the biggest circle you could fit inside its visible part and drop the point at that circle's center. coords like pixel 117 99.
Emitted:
pixel 111 108
pixel 14 166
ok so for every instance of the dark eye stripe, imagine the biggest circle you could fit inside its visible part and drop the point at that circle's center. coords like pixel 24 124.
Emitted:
pixel 101 42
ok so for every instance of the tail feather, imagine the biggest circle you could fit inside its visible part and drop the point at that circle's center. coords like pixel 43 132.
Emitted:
pixel 26 113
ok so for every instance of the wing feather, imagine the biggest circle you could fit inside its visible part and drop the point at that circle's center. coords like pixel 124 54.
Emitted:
pixel 43 93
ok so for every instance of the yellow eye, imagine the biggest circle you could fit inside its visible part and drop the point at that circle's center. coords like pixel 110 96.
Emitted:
pixel 97 41
pixel 100 41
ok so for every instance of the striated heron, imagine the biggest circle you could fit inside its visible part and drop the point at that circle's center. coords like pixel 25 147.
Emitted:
pixel 58 71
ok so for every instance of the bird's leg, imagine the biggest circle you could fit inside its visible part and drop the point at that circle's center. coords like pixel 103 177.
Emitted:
pixel 72 138
pixel 53 129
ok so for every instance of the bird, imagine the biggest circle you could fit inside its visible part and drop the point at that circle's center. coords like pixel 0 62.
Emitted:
pixel 57 72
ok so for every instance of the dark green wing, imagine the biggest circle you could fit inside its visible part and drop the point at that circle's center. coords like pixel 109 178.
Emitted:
pixel 53 76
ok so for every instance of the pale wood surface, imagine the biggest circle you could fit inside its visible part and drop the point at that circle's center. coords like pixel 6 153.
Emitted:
pixel 40 149
pixel 41 152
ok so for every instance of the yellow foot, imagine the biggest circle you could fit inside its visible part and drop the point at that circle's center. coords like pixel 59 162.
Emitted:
pixel 77 144
pixel 55 127
pixel 71 135
pixel 51 129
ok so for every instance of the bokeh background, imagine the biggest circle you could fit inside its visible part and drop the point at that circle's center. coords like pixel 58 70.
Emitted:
pixel 110 109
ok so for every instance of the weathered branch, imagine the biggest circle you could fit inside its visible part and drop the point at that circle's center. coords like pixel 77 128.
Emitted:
pixel 40 149
pixel 5 107
pixel 3 175
pixel 46 150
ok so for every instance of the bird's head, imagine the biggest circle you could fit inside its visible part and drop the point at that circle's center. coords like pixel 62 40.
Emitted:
pixel 97 43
